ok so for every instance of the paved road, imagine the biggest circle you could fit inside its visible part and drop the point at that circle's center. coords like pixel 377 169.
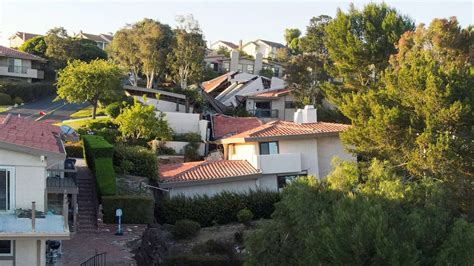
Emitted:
pixel 31 110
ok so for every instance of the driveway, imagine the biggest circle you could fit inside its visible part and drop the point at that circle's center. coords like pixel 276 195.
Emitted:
pixel 59 110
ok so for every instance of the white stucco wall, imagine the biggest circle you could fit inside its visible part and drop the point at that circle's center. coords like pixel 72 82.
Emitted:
pixel 266 182
pixel 30 178
pixel 26 252
pixel 182 123
pixel 163 106
pixel 178 146
pixel 244 151
pixel 328 148
pixel 309 153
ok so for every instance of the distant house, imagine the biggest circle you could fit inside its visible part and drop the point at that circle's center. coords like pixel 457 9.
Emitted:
pixel 252 65
pixel 267 157
pixel 271 105
pixel 20 65
pixel 32 177
pixel 267 48
pixel 227 45
pixel 17 39
pixel 102 40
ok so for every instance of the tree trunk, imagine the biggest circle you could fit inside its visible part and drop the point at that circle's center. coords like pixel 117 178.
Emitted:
pixel 94 109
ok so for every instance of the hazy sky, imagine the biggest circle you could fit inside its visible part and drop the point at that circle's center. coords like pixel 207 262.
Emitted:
pixel 220 20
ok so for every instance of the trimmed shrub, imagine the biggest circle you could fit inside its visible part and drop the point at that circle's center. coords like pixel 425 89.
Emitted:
pixel 136 209
pixel 27 91
pixel 18 100
pixel 105 176
pixel 113 109
pixel 185 229
pixel 5 99
pixel 244 216
pixel 143 160
pixel 221 208
pixel 96 147
pixel 74 150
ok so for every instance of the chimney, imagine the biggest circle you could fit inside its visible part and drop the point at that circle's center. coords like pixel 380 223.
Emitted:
pixel 306 115
pixel 234 60
pixel 258 63
pixel 24 37
pixel 240 44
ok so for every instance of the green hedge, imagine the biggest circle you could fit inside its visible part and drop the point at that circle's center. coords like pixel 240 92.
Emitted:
pixel 5 99
pixel 27 91
pixel 136 209
pixel 74 150
pixel 105 176
pixel 96 147
pixel 221 208
pixel 143 162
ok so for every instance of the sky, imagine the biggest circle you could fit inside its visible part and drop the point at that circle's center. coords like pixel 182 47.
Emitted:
pixel 220 20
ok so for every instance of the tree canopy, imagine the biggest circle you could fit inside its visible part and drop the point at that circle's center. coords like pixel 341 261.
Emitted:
pixel 36 45
pixel 94 81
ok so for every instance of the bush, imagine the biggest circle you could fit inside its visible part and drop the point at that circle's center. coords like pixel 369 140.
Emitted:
pixel 185 229
pixel 113 109
pixel 105 176
pixel 144 161
pixel 17 100
pixel 5 99
pixel 104 128
pixel 244 216
pixel 221 208
pixel 136 209
pixel 200 260
pixel 27 91
pixel 96 147
pixel 74 150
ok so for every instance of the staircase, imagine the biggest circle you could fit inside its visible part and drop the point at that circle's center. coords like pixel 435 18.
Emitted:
pixel 87 199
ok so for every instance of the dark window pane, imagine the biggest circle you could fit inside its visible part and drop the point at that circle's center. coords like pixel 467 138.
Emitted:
pixel 5 247
pixel 3 190
pixel 264 148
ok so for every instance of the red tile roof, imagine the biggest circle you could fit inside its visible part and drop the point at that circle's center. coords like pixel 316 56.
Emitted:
pixel 205 170
pixel 284 128
pixel 271 94
pixel 212 84
pixel 226 126
pixel 30 134
pixel 12 53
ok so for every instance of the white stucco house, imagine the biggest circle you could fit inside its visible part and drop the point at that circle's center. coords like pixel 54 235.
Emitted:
pixel 225 44
pixel 265 157
pixel 20 65
pixel 275 104
pixel 102 40
pixel 19 38
pixel 32 159
pixel 267 48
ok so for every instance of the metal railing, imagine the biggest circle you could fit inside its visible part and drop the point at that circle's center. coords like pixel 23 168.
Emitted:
pixel 264 113
pixel 99 259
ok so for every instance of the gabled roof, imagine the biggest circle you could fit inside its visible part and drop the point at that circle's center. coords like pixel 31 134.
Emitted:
pixel 230 44
pixel 205 171
pixel 270 94
pixel 25 36
pixel 284 129
pixel 98 38
pixel 12 53
pixel 272 44
pixel 29 135
pixel 226 126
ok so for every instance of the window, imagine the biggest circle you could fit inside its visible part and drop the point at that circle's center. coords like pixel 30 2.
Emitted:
pixel 6 189
pixel 276 71
pixel 226 66
pixel 285 180
pixel 290 105
pixel 240 68
pixel 6 248
pixel 268 147
pixel 16 66
pixel 250 69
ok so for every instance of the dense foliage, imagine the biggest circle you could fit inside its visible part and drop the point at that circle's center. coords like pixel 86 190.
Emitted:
pixel 136 209
pixel 140 161
pixel 221 208
pixel 74 149
pixel 25 91
pixel 185 229
pixel 363 218
pixel 96 81
pixel 36 46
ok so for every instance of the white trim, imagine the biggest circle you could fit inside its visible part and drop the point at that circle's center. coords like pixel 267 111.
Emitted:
pixel 12 188
pixel 11 250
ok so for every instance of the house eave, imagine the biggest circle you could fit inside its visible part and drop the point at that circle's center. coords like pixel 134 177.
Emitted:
pixel 179 184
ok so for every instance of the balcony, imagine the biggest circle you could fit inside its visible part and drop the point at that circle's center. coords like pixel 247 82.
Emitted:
pixel 21 72
pixel 279 163
pixel 264 113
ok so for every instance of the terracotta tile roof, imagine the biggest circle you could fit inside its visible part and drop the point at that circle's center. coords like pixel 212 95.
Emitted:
pixel 212 84
pixel 205 170
pixel 28 133
pixel 12 53
pixel 226 126
pixel 284 128
pixel 271 94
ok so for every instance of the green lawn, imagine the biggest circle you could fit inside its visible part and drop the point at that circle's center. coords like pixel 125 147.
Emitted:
pixel 86 112
pixel 79 123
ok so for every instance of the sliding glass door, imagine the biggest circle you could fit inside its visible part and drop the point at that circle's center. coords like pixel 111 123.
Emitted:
pixel 6 189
